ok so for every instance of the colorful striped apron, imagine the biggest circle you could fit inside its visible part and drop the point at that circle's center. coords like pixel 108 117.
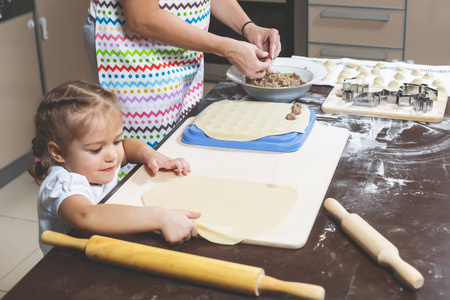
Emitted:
pixel 156 84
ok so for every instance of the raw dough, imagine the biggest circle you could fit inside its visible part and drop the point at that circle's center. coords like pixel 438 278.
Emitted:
pixel 394 85
pixel 399 76
pixel 345 72
pixel 379 79
pixel 351 64
pixel 378 84
pixel 376 71
pixel 428 76
pixel 381 65
pixel 232 210
pixel 233 120
pixel 362 68
pixel 417 80
pixel 416 72
pixel 437 82
pixel 330 63
pixel 365 73
pixel 401 69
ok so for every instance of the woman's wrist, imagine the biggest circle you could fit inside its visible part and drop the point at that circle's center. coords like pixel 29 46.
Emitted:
pixel 244 26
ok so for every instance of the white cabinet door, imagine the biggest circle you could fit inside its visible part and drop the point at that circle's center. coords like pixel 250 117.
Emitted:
pixel 20 87
pixel 63 52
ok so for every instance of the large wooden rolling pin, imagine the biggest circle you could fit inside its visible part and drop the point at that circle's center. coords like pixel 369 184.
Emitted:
pixel 376 245
pixel 189 267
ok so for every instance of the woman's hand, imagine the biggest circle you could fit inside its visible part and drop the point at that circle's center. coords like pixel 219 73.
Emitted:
pixel 249 59
pixel 266 39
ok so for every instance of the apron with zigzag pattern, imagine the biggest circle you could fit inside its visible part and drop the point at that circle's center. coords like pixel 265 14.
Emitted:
pixel 156 84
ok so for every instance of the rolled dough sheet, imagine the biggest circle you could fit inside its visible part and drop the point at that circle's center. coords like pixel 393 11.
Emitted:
pixel 232 120
pixel 232 210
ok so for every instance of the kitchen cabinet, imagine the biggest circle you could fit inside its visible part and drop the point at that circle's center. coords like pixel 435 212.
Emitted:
pixel 412 30
pixel 20 85
pixel 427 39
pixel 41 46
pixel 356 29
pixel 61 40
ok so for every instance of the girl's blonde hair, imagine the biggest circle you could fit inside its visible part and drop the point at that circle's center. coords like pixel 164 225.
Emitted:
pixel 67 112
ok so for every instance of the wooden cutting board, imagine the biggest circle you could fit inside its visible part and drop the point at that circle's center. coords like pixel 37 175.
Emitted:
pixel 309 170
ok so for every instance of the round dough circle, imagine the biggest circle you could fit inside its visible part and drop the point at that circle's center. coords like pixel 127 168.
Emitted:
pixel 231 210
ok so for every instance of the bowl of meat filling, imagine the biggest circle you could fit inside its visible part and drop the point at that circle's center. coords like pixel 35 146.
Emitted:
pixel 286 80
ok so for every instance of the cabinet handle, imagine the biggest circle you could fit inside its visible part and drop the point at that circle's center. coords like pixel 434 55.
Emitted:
pixel 353 54
pixel 354 16
pixel 44 32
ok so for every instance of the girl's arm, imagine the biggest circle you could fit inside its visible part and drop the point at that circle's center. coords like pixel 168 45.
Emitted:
pixel 111 219
pixel 137 151
pixel 147 18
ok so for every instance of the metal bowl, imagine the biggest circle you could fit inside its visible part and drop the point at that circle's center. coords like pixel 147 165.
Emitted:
pixel 309 71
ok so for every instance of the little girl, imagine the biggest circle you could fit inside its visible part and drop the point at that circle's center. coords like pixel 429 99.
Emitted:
pixel 79 130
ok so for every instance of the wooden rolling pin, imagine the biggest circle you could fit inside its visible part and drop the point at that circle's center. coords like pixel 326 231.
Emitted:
pixel 207 271
pixel 376 245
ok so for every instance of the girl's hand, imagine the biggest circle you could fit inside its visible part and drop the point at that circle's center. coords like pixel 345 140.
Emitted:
pixel 159 161
pixel 177 227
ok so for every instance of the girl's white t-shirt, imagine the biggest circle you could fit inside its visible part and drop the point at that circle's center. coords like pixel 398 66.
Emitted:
pixel 58 186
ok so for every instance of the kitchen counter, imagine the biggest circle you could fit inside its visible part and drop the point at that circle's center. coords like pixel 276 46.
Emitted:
pixel 395 174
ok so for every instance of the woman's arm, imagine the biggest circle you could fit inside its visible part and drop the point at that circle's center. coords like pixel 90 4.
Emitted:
pixel 231 14
pixel 147 18
pixel 111 219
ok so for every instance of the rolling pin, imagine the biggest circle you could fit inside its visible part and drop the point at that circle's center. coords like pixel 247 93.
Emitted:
pixel 376 245
pixel 198 269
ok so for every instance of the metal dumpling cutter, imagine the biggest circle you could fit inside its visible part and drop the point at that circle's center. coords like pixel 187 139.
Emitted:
pixel 418 96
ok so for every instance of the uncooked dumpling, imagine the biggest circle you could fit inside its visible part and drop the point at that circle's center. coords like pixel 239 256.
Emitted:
pixel 379 79
pixel 378 84
pixel 375 71
pixel 365 73
pixel 399 76
pixel 330 63
pixel 417 80
pixel 351 64
pixel 416 72
pixel 401 69
pixel 362 68
pixel 428 76
pixel 437 82
pixel 381 65
pixel 394 85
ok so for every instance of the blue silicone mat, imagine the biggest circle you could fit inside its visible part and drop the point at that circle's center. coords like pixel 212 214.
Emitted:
pixel 288 142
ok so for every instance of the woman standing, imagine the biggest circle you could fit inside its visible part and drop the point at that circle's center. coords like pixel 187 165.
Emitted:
pixel 150 54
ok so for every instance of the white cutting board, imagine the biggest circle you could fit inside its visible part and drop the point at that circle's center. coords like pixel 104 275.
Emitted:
pixel 309 170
